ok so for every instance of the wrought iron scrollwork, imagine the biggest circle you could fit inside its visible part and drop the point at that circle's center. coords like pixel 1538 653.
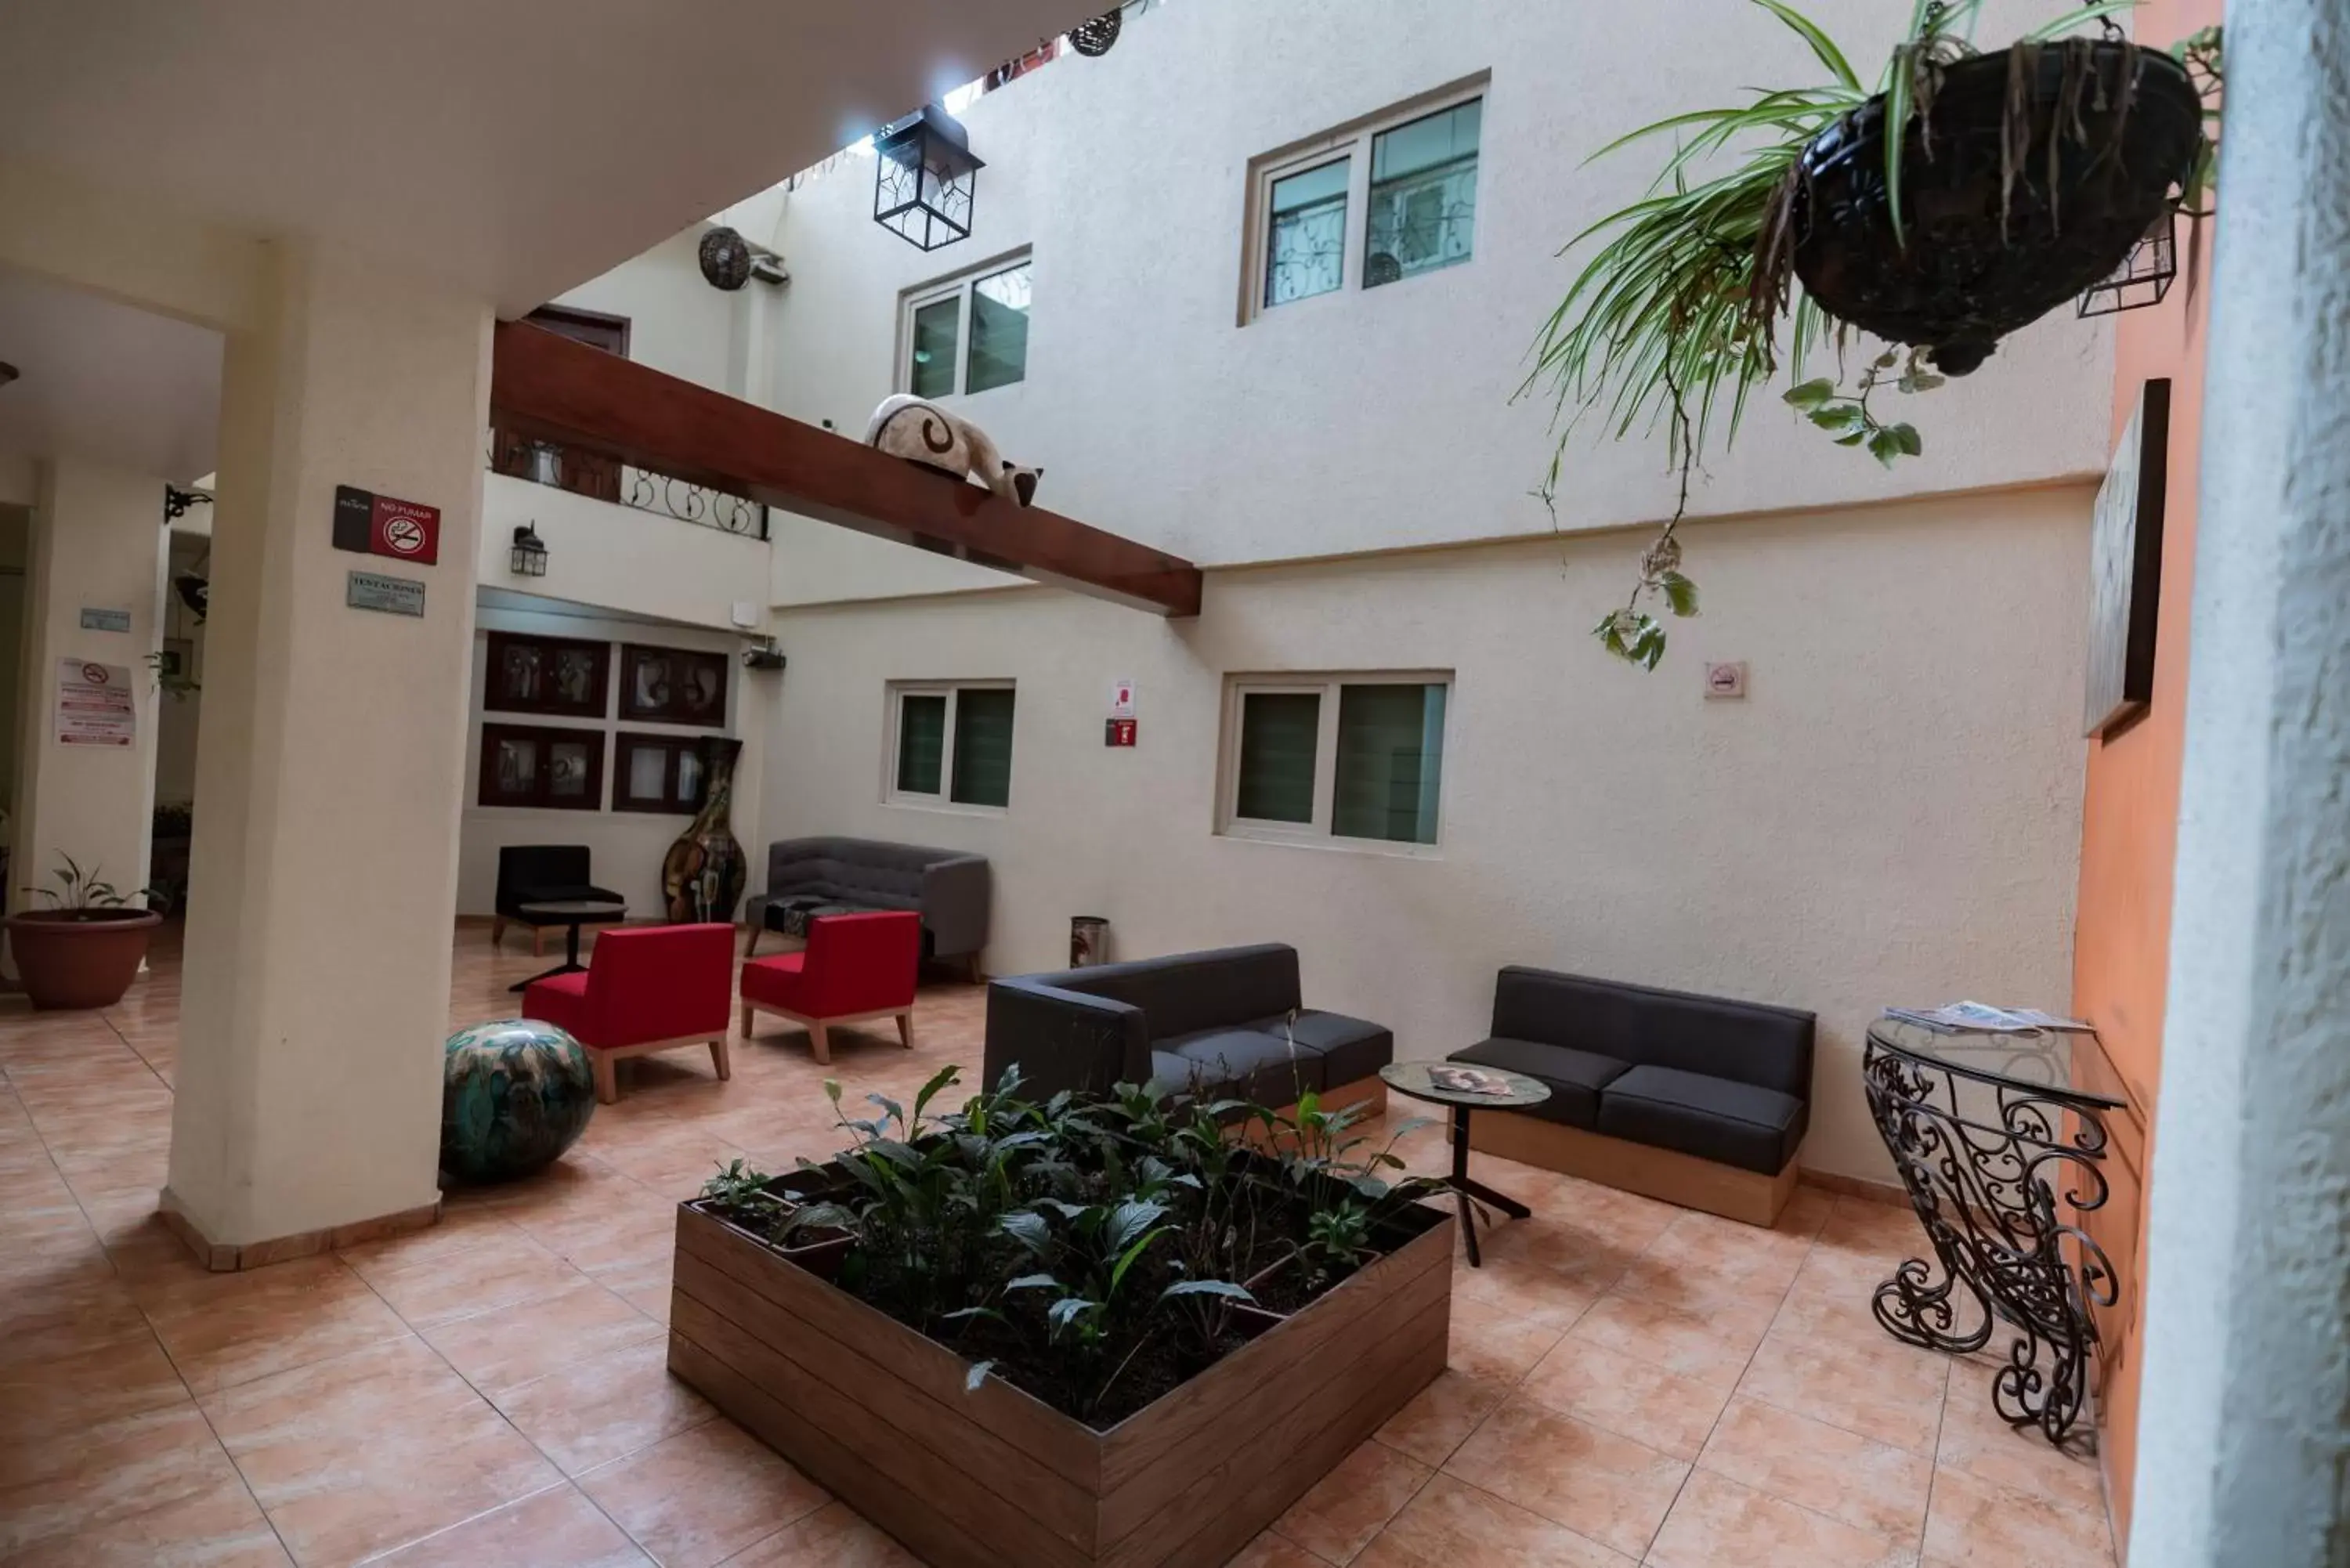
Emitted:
pixel 584 474
pixel 1987 1159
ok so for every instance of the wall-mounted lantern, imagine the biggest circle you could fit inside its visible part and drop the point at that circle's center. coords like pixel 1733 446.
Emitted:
pixel 924 179
pixel 529 557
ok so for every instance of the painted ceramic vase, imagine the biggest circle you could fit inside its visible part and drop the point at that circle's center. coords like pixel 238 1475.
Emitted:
pixel 704 872
pixel 515 1094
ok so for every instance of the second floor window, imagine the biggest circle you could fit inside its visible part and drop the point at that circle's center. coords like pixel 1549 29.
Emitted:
pixel 968 334
pixel 1335 757
pixel 1390 198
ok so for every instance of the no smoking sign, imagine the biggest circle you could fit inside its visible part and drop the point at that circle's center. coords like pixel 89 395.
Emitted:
pixel 374 524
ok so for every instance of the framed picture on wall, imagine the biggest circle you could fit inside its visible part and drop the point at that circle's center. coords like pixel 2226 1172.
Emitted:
pixel 550 769
pixel 2125 567
pixel 560 676
pixel 657 774
pixel 673 685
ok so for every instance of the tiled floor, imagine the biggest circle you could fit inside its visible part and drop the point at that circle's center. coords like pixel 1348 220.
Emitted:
pixel 1630 1383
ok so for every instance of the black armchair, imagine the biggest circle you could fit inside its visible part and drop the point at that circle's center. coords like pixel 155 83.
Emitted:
pixel 539 874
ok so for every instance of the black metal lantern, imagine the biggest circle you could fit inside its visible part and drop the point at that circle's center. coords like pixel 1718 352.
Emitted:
pixel 924 179
pixel 2143 277
pixel 529 557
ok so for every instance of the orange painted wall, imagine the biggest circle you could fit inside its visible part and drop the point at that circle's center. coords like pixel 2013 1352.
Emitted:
pixel 2130 818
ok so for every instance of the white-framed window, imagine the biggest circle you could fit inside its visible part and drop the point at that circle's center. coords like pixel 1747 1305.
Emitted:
pixel 968 333
pixel 951 744
pixel 1387 197
pixel 1335 757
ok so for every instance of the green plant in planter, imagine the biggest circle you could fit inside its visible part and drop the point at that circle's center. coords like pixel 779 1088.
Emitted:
pixel 1686 306
pixel 84 895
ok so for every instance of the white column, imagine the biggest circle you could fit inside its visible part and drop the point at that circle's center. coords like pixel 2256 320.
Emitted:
pixel 330 765
pixel 2242 1441
pixel 97 545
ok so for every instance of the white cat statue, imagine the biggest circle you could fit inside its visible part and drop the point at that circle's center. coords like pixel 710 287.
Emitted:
pixel 921 432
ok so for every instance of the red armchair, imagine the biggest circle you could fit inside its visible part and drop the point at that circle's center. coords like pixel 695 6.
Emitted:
pixel 645 989
pixel 854 968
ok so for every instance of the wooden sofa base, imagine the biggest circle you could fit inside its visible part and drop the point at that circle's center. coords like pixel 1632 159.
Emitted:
pixel 1662 1173
pixel 819 1040
pixel 606 1060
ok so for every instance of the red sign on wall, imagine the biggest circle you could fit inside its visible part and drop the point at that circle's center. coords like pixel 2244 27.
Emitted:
pixel 1119 733
pixel 375 525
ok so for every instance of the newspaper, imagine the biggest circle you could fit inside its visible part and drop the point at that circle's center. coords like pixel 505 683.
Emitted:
pixel 1976 1017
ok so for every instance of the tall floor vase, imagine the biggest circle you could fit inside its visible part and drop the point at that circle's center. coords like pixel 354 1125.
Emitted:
pixel 704 872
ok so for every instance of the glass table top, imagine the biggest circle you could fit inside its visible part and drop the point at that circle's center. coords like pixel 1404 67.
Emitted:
pixel 2042 1061
pixel 1412 1078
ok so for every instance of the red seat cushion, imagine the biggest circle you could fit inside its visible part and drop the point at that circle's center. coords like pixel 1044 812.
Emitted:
pixel 853 965
pixel 776 979
pixel 560 999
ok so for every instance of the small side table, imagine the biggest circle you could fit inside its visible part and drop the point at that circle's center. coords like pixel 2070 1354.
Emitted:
pixel 1411 1078
pixel 570 914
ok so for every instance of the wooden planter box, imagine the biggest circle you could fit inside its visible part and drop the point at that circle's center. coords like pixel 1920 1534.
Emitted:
pixel 878 1413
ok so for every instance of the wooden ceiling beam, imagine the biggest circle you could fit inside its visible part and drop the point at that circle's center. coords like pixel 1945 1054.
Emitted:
pixel 546 386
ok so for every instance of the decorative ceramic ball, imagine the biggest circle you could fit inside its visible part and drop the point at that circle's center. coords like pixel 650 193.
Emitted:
pixel 515 1094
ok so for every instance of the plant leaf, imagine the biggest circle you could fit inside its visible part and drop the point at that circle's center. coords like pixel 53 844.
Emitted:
pixel 1224 1288
pixel 1822 45
pixel 1839 417
pixel 1029 1229
pixel 1810 394
pixel 1033 1282
pixel 976 1375
pixel 1680 593
pixel 1908 436
pixel 1884 446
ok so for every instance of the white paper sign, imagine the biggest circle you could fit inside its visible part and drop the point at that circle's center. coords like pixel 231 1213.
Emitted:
pixel 96 704
pixel 1121 698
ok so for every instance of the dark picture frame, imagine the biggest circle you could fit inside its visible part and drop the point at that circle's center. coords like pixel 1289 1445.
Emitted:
pixel 683 780
pixel 540 767
pixel 556 677
pixel 2126 567
pixel 674 686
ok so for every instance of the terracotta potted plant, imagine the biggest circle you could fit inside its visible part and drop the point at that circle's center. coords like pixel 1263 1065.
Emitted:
pixel 84 949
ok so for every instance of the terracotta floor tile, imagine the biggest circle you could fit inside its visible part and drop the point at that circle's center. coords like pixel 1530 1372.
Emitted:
pixel 702 1496
pixel 80 1378
pixel 1868 1484
pixel 1267 1551
pixel 1711 1348
pixel 1611 1488
pixel 1976 1440
pixel 1631 1398
pixel 1524 1291
pixel 502 1350
pixel 603 1406
pixel 555 1526
pixel 1890 1393
pixel 1348 1506
pixel 1441 1415
pixel 494 1267
pixel 1979 1525
pixel 1488 1342
pixel 1717 1523
pixel 371 1450
pixel 1451 1524
pixel 226 1329
pixel 141 1489
pixel 838 1536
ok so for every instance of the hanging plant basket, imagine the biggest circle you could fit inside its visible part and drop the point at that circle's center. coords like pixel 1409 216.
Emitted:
pixel 725 258
pixel 1093 37
pixel 2026 178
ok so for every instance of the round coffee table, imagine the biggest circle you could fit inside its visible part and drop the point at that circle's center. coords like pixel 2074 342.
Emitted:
pixel 570 914
pixel 1411 1078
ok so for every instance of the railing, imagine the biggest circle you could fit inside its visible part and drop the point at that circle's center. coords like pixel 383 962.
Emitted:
pixel 585 473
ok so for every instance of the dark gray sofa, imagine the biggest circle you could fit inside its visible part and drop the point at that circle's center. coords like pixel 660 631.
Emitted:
pixel 1227 1022
pixel 1721 1081
pixel 811 876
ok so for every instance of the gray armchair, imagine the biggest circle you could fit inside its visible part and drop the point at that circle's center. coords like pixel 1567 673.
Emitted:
pixel 807 878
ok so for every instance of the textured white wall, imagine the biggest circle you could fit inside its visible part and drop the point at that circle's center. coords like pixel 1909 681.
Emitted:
pixel 1365 419
pixel 619 558
pixel 1892 816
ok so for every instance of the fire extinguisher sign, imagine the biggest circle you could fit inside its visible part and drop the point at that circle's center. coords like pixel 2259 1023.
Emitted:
pixel 374 524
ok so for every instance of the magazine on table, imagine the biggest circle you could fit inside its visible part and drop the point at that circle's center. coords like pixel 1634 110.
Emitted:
pixel 1468 1081
pixel 1980 1018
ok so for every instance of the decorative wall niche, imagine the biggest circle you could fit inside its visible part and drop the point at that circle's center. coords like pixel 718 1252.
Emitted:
pixel 550 769
pixel 557 677
pixel 674 686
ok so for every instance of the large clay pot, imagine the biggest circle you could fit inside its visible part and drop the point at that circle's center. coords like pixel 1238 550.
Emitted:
pixel 704 872
pixel 80 958
pixel 2111 129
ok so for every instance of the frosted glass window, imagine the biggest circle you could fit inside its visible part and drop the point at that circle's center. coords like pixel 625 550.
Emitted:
pixel 1306 241
pixel 937 325
pixel 1280 732
pixel 999 329
pixel 1390 761
pixel 1424 200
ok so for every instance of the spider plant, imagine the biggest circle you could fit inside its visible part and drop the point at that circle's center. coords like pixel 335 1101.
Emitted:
pixel 1688 302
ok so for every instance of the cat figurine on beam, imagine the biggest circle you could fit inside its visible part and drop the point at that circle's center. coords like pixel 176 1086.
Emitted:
pixel 921 432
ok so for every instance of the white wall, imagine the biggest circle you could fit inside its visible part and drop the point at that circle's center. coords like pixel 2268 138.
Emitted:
pixel 619 558
pixel 1364 419
pixel 627 845
pixel 1893 814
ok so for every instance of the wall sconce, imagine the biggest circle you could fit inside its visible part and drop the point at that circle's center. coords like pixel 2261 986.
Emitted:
pixel 529 557
pixel 924 179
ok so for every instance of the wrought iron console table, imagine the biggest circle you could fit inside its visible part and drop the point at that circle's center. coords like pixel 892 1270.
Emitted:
pixel 1990 1137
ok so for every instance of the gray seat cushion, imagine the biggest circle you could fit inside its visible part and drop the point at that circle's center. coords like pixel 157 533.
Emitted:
pixel 1718 1119
pixel 1351 1049
pixel 1245 1063
pixel 1574 1077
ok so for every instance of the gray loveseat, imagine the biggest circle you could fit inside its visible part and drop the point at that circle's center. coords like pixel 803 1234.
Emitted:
pixel 1699 1100
pixel 1227 1022
pixel 807 878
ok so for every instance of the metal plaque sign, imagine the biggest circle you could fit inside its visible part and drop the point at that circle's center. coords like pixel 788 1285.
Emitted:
pixel 393 595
